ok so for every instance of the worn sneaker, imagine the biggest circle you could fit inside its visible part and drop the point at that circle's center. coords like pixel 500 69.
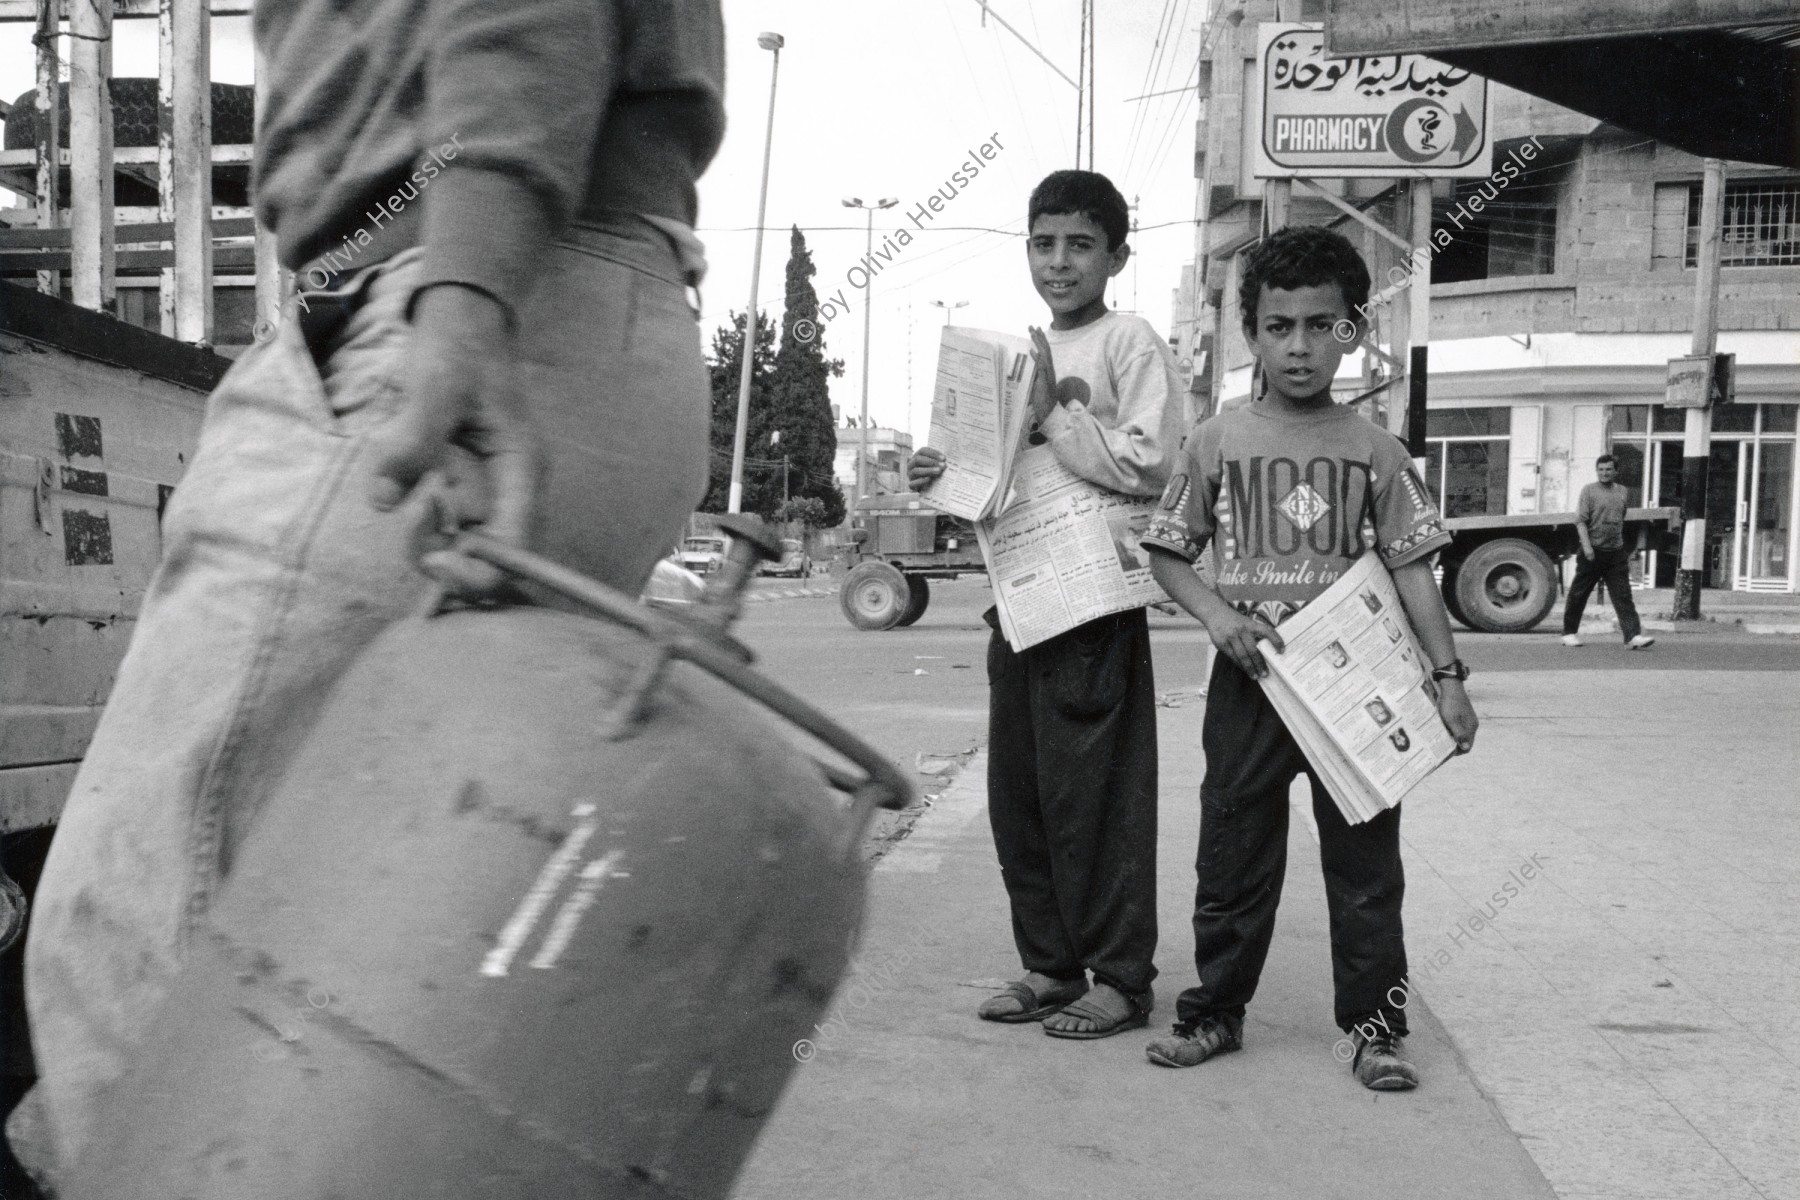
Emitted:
pixel 1570 639
pixel 1640 642
pixel 1193 1042
pixel 1380 1062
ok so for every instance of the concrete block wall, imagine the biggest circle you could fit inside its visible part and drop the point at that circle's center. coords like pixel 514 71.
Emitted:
pixel 1630 243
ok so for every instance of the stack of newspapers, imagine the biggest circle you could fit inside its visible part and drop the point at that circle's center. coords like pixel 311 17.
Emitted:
pixel 1355 690
pixel 1060 551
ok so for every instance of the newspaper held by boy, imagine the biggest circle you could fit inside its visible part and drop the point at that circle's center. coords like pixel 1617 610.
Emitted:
pixel 1353 687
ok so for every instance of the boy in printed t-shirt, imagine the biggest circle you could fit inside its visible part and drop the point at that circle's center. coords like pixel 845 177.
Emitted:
pixel 1072 721
pixel 1290 491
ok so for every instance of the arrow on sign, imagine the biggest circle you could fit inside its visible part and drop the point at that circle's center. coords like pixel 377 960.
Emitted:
pixel 1466 133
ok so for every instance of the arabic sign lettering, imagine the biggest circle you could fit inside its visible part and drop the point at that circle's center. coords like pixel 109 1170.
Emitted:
pixel 1393 114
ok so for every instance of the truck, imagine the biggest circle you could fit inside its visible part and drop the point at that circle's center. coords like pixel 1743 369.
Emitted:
pixel 98 420
pixel 897 545
pixel 1500 574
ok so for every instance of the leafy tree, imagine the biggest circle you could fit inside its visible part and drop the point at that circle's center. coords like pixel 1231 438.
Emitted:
pixel 723 366
pixel 808 510
pixel 789 394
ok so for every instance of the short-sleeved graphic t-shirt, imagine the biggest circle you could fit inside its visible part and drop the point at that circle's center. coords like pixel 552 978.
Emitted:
pixel 1289 501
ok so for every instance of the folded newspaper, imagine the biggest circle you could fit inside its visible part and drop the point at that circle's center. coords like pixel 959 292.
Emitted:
pixel 1355 690
pixel 978 408
pixel 1060 551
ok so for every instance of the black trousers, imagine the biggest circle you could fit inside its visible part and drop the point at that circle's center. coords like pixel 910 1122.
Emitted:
pixel 1613 566
pixel 1250 761
pixel 1072 799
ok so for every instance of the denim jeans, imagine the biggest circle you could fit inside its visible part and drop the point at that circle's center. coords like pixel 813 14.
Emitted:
pixel 277 571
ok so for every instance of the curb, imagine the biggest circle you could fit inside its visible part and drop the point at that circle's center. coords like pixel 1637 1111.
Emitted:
pixel 1665 624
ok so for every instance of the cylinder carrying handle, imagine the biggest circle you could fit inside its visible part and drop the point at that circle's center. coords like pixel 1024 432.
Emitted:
pixel 883 786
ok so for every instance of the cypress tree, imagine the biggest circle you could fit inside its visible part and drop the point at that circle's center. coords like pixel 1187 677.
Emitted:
pixel 800 396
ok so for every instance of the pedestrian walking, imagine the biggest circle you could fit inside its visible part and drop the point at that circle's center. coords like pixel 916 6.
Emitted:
pixel 1604 557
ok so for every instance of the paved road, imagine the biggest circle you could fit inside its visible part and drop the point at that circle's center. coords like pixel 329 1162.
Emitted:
pixel 1624 1030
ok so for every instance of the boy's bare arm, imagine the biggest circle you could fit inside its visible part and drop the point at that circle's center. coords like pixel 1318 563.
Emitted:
pixel 1231 631
pixel 1424 607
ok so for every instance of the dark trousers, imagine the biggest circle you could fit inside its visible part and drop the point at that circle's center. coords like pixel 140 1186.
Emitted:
pixel 1613 566
pixel 1072 799
pixel 1250 761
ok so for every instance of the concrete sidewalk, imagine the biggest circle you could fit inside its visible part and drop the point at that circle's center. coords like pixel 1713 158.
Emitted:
pixel 1622 1028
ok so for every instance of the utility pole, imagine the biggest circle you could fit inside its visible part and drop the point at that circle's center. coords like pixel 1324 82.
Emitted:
pixel 772 42
pixel 1081 92
pixel 862 438
pixel 1418 299
pixel 1696 446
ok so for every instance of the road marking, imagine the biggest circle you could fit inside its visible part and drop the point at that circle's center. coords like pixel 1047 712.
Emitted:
pixel 550 878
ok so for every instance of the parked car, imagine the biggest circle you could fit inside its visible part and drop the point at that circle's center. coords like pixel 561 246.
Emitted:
pixel 702 554
pixel 793 563
pixel 672 586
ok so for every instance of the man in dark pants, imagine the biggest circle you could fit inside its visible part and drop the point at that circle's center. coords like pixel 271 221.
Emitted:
pixel 1600 524
pixel 1076 829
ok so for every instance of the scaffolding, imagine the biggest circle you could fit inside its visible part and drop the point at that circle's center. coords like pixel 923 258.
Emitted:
pixel 182 239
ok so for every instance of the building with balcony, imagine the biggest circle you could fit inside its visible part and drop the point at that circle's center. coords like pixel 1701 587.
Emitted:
pixel 1554 312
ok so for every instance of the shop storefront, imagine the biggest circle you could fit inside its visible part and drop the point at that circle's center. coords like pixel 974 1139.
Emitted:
pixel 1752 489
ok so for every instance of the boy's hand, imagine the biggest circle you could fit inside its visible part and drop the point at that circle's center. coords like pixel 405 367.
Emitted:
pixel 1236 635
pixel 1043 383
pixel 926 465
pixel 1459 715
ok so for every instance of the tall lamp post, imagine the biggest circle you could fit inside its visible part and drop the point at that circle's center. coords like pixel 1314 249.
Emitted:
pixel 862 440
pixel 949 308
pixel 772 42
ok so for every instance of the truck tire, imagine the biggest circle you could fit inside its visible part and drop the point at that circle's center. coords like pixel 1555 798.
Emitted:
pixel 918 596
pixel 12 911
pixel 1452 605
pixel 1505 586
pixel 874 596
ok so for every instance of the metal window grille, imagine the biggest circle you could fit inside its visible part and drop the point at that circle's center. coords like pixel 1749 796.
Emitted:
pixel 1761 226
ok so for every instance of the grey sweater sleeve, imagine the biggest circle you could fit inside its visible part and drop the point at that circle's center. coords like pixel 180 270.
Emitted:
pixel 1134 453
pixel 520 86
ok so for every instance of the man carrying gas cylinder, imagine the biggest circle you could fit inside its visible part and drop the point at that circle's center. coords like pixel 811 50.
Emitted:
pixel 489 209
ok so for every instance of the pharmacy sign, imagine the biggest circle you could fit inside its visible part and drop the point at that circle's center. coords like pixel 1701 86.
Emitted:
pixel 1384 115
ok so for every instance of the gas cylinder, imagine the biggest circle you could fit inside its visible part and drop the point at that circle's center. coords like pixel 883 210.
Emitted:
pixel 539 910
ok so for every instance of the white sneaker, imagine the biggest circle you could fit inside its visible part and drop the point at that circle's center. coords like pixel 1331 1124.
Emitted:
pixel 1570 639
pixel 1641 642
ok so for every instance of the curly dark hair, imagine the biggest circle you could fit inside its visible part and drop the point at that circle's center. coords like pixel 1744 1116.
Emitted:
pixel 1086 193
pixel 1298 256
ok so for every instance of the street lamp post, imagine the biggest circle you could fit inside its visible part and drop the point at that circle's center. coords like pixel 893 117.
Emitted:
pixel 772 42
pixel 862 440
pixel 949 308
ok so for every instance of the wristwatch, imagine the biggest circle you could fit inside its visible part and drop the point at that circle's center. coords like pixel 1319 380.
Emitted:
pixel 1455 669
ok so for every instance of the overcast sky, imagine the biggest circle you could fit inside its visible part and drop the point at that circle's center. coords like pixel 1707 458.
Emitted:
pixel 882 98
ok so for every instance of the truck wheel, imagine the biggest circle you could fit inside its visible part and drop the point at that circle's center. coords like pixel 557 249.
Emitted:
pixel 12 911
pixel 1505 586
pixel 1452 605
pixel 874 596
pixel 918 596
